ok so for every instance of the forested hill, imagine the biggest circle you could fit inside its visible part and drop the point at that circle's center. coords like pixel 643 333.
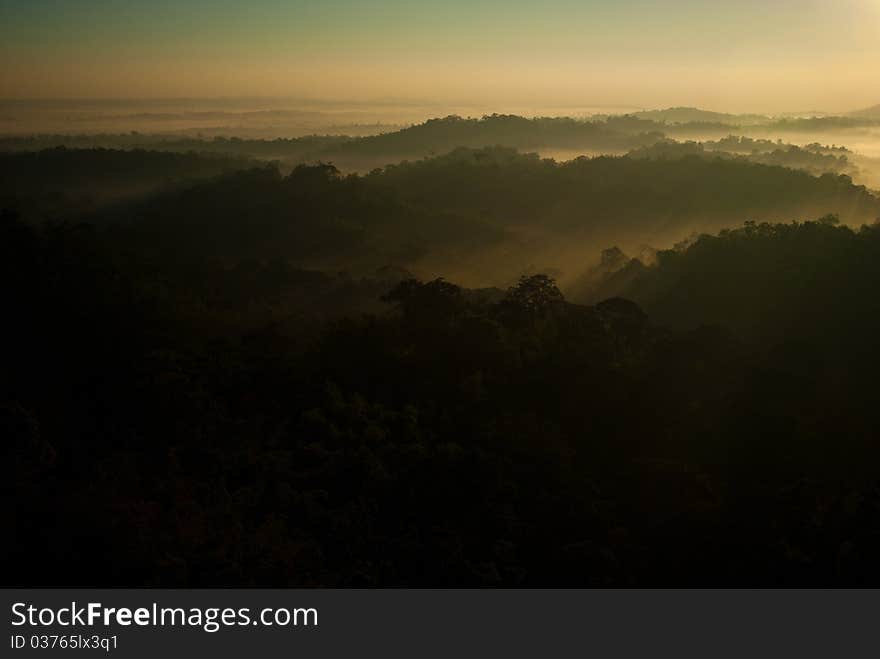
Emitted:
pixel 814 159
pixel 433 136
pixel 615 134
pixel 60 182
pixel 442 216
pixel 624 194
pixel 812 280
pixel 872 112
pixel 449 438
pixel 686 115
pixel 443 135
pixel 186 371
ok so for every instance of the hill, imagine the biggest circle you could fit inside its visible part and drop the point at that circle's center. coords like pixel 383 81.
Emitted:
pixel 814 159
pixel 453 437
pixel 635 200
pixel 432 137
pixel 767 280
pixel 439 136
pixel 481 215
pixel 63 182
pixel 872 112
pixel 685 115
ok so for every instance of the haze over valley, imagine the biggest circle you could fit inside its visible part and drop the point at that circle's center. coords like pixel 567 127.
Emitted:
pixel 478 294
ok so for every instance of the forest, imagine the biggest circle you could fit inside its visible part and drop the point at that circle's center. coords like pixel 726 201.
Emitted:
pixel 245 363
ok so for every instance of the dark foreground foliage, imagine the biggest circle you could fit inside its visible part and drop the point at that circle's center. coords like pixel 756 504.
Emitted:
pixel 227 425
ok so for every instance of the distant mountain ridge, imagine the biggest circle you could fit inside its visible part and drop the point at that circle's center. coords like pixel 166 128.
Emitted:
pixel 872 112
pixel 681 115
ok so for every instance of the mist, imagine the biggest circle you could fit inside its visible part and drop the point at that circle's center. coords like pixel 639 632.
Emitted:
pixel 484 294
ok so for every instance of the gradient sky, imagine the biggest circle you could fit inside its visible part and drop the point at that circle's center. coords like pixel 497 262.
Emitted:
pixel 742 55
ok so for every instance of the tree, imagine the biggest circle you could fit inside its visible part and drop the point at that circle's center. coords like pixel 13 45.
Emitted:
pixel 534 294
pixel 434 300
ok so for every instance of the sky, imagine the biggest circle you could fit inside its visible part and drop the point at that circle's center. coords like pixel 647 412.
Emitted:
pixel 739 55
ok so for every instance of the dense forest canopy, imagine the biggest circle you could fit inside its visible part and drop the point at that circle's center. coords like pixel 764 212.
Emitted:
pixel 587 444
pixel 812 158
pixel 483 216
pixel 388 294
pixel 61 182
pixel 242 363
pixel 562 138
pixel 803 279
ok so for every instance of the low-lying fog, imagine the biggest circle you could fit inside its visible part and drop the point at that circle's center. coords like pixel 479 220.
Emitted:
pixel 267 118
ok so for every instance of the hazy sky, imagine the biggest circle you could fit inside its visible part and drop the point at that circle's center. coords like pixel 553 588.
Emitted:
pixel 762 55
